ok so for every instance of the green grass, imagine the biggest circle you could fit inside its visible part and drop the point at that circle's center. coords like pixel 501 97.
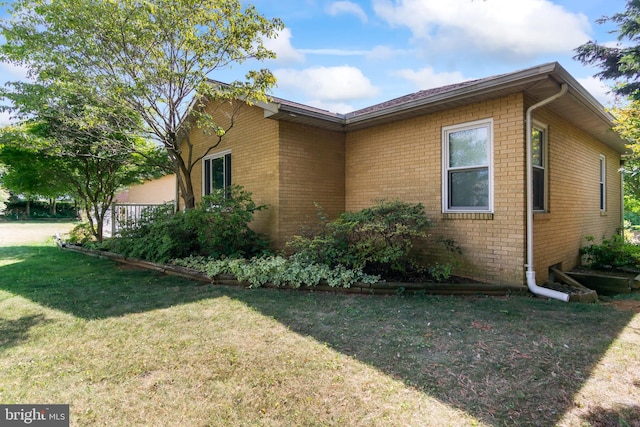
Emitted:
pixel 128 347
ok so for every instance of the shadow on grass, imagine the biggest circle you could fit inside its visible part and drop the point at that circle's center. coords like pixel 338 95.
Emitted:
pixel 88 287
pixel 505 361
pixel 15 331
pixel 614 417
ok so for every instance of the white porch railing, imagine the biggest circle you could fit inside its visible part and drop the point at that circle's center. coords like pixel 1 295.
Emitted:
pixel 126 215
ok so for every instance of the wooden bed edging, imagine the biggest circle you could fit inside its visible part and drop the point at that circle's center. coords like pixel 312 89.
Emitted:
pixel 380 288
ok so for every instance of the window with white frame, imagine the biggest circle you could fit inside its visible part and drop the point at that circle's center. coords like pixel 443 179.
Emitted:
pixel 216 172
pixel 539 162
pixel 603 183
pixel 467 153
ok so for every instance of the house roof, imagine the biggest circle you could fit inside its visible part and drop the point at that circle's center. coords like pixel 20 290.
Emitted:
pixel 578 106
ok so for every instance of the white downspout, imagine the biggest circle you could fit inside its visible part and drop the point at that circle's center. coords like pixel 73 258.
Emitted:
pixel 530 274
pixel 622 200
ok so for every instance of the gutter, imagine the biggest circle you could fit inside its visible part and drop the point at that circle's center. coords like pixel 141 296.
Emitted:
pixel 530 273
pixel 484 85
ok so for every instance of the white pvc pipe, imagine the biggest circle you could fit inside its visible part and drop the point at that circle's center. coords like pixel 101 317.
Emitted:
pixel 621 200
pixel 543 292
pixel 530 274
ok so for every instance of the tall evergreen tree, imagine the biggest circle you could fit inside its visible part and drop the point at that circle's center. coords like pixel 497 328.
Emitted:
pixel 620 63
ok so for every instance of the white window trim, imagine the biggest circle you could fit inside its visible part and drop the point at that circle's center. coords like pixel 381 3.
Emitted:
pixel 602 186
pixel 488 123
pixel 545 162
pixel 213 156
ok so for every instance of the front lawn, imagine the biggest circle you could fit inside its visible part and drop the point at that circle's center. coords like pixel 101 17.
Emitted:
pixel 127 347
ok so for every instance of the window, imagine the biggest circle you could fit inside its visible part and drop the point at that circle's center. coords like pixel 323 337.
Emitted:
pixel 216 174
pixel 603 183
pixel 539 163
pixel 467 163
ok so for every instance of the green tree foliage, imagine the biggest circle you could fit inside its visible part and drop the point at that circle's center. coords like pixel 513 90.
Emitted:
pixel 620 63
pixel 152 59
pixel 28 173
pixel 627 124
pixel 217 227
pixel 611 253
pixel 38 159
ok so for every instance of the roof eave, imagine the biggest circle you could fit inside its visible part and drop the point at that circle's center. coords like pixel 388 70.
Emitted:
pixel 527 81
pixel 486 86
pixel 581 95
pixel 305 116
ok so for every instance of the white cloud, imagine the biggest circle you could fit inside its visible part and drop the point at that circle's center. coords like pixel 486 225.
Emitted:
pixel 520 28
pixel 599 89
pixel 347 7
pixel 325 85
pixel 377 53
pixel 334 107
pixel 615 44
pixel 335 52
pixel 427 78
pixel 281 45
pixel 384 53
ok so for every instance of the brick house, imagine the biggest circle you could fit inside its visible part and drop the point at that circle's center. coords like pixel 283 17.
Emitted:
pixel 159 190
pixel 460 150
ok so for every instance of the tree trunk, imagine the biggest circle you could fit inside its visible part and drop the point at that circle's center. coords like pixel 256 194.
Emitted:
pixel 185 185
pixel 182 168
pixel 98 222
pixel 189 200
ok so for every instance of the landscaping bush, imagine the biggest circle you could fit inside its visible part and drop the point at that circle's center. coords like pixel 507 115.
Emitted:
pixel 376 240
pixel 216 227
pixel 278 270
pixel 611 253
pixel 80 234
pixel 157 235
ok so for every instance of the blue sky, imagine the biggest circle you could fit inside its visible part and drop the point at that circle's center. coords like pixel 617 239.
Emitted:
pixel 346 55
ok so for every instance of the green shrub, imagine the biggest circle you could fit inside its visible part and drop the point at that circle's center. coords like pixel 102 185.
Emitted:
pixel 151 236
pixel 611 253
pixel 216 227
pixel 375 240
pixel 221 225
pixel 440 272
pixel 278 270
pixel 80 234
